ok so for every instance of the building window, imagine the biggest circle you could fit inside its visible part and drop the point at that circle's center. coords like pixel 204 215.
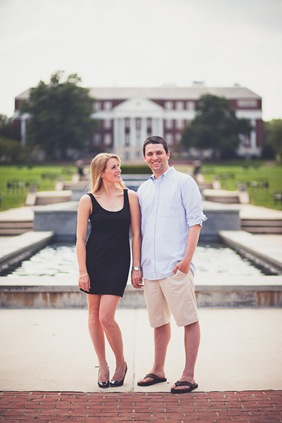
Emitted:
pixel 252 104
pixel 169 139
pixel 126 140
pixel 190 105
pixel 107 139
pixel 107 105
pixel 126 155
pixel 149 123
pixel 127 123
pixel 168 123
pixel 138 123
pixel 107 123
pixel 169 105
pixel 179 105
pixel 179 124
pixel 97 139
pixel 245 141
pixel 96 106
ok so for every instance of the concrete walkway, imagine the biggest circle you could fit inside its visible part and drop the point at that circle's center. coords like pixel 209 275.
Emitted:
pixel 211 407
pixel 50 350
pixel 48 368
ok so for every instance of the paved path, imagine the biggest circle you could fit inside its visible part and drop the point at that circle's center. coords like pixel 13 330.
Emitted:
pixel 206 407
pixel 48 369
pixel 247 211
pixel 50 350
pixel 48 374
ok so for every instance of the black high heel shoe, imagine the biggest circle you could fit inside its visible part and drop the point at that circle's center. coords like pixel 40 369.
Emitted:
pixel 116 383
pixel 103 384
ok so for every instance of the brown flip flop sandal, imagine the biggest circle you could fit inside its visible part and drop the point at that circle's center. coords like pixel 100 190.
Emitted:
pixel 189 387
pixel 155 379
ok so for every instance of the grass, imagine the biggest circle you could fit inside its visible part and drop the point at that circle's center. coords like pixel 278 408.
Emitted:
pixel 254 175
pixel 229 174
pixel 16 180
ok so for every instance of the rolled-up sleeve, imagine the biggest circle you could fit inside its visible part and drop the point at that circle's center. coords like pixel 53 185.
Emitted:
pixel 192 202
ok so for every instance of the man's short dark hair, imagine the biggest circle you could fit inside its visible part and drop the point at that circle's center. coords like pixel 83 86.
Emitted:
pixel 155 140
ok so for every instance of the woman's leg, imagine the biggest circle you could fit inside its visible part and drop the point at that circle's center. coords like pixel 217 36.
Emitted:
pixel 107 310
pixel 97 335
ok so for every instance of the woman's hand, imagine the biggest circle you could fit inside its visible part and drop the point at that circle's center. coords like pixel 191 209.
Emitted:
pixel 84 282
pixel 136 278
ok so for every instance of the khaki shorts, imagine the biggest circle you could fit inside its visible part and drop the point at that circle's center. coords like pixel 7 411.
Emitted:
pixel 175 294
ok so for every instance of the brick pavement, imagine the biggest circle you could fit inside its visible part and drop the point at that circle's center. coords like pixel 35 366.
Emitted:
pixel 105 407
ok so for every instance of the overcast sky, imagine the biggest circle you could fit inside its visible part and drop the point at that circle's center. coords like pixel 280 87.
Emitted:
pixel 143 43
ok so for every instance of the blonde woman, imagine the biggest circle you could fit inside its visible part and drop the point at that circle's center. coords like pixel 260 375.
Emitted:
pixel 104 258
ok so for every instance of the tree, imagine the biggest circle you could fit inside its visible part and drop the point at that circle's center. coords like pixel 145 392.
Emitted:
pixel 11 151
pixel 273 132
pixel 215 127
pixel 7 128
pixel 60 115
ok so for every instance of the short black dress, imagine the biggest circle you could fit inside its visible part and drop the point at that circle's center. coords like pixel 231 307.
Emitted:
pixel 107 249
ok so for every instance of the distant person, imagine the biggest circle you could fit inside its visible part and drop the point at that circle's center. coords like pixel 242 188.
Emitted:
pixel 80 170
pixel 171 220
pixel 104 258
pixel 197 168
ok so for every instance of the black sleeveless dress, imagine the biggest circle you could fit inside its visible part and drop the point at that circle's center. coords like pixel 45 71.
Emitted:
pixel 107 249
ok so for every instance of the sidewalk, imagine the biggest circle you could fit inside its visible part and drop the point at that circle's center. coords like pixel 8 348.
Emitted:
pixel 222 407
pixel 48 369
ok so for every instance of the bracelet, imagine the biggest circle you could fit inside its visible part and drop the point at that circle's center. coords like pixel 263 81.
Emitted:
pixel 81 276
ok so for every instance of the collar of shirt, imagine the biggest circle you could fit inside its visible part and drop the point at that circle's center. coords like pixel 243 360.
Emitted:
pixel 163 175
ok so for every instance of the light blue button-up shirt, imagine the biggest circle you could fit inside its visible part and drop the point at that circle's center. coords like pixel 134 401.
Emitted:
pixel 169 205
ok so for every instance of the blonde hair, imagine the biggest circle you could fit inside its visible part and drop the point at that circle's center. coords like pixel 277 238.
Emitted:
pixel 98 166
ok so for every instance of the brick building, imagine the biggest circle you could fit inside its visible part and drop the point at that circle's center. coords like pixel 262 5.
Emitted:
pixel 128 115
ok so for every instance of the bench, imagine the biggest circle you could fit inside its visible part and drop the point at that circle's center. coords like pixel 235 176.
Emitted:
pixel 277 196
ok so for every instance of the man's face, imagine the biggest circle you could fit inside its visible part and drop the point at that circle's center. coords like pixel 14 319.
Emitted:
pixel 156 158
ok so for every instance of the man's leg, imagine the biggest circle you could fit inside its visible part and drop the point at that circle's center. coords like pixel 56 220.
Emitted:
pixel 191 342
pixel 161 341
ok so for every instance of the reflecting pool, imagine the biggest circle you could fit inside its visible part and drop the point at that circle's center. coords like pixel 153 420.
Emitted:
pixel 59 260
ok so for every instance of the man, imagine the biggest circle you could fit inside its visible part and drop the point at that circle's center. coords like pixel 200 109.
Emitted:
pixel 172 217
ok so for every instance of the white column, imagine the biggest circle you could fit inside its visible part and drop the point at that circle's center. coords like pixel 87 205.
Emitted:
pixel 121 133
pixel 132 132
pixel 157 127
pixel 143 132
pixel 154 126
pixel 118 135
pixel 161 127
pixel 253 134
pixel 253 140
pixel 116 130
pixel 23 131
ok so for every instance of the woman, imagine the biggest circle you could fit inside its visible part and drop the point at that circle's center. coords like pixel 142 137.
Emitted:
pixel 104 260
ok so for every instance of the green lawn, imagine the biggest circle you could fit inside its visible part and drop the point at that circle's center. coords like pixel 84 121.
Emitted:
pixel 262 180
pixel 16 180
pixel 230 174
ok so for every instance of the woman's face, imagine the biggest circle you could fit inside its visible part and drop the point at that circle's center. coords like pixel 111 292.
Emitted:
pixel 112 173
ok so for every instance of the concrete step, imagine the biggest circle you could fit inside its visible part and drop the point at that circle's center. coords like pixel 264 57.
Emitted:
pixel 12 228
pixel 43 198
pixel 225 197
pixel 262 226
pixel 25 292
pixel 82 185
pixel 42 201
pixel 18 248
